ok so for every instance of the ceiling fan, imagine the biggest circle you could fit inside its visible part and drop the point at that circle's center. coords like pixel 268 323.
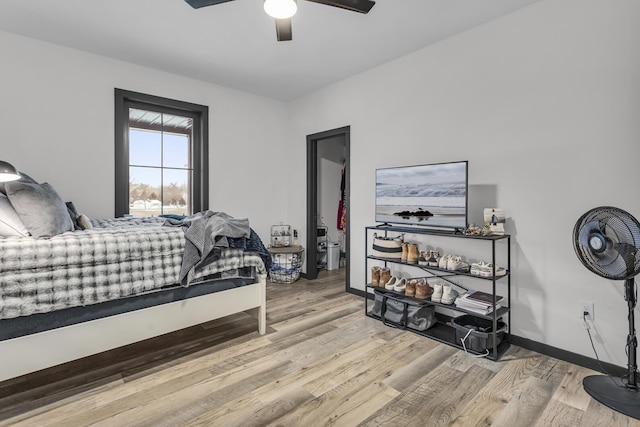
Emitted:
pixel 283 10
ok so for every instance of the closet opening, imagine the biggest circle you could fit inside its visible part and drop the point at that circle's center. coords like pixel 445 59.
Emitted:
pixel 328 202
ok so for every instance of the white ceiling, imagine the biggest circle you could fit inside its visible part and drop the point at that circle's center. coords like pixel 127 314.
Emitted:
pixel 234 44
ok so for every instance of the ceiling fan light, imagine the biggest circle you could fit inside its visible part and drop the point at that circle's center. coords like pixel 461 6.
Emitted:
pixel 280 9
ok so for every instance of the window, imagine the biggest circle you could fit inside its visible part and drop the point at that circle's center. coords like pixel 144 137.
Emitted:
pixel 161 155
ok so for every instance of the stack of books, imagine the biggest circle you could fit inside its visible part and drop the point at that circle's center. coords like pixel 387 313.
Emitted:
pixel 478 302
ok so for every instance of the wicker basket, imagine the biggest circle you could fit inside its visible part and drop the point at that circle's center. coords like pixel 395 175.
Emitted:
pixel 286 264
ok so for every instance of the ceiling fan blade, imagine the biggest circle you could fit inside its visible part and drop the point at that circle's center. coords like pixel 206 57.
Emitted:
pixel 197 4
pixel 283 29
pixel 362 6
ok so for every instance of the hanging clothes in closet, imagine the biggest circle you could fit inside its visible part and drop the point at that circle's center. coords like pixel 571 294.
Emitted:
pixel 342 203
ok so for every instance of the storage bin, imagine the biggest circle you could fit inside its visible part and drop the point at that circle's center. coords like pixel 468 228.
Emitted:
pixel 286 263
pixel 479 339
pixel 400 312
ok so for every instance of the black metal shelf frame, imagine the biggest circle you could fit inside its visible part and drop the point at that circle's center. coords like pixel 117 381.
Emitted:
pixel 442 332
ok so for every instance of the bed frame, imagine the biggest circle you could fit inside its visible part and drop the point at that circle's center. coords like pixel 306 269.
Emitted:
pixel 23 355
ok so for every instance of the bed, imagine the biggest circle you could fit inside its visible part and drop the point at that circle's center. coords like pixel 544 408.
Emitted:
pixel 117 282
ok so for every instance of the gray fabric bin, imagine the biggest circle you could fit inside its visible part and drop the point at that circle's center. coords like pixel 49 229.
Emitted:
pixel 401 312
pixel 479 339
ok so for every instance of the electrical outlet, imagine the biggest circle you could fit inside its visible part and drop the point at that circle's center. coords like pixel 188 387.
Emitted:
pixel 586 306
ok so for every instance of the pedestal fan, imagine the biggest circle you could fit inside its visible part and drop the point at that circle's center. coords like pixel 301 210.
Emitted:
pixel 607 242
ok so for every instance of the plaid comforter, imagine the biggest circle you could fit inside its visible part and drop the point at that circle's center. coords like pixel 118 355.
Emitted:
pixel 117 258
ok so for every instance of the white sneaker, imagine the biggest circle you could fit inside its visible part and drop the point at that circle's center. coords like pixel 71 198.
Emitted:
pixel 391 283
pixel 501 271
pixel 487 271
pixel 400 285
pixel 452 262
pixel 463 267
pixel 456 264
pixel 437 292
pixel 449 294
pixel 477 267
pixel 442 263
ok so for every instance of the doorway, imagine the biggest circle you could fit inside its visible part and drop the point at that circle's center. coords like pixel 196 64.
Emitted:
pixel 321 154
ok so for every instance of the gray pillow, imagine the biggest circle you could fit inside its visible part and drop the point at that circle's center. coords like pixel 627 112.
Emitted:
pixel 40 208
pixel 10 223
pixel 23 178
pixel 73 213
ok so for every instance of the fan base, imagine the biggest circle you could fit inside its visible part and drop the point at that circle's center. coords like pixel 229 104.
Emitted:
pixel 613 393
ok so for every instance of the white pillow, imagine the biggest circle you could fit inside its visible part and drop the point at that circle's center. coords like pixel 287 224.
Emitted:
pixel 84 222
pixel 10 223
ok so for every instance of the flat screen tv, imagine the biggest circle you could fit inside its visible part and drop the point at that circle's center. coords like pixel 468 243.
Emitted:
pixel 430 195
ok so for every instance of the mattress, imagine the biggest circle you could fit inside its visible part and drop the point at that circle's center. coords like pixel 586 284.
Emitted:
pixel 118 258
pixel 40 322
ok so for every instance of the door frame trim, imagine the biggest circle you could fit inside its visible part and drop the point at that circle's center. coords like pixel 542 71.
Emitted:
pixel 312 199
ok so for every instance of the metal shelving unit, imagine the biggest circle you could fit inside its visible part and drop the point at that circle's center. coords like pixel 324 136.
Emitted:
pixel 442 331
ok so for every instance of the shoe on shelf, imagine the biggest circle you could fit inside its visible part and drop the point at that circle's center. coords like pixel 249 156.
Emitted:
pixel 433 260
pixel 405 252
pixel 477 267
pixel 452 262
pixel 437 292
pixel 500 271
pixel 456 264
pixel 385 276
pixel 449 294
pixel 413 253
pixel 423 290
pixel 410 290
pixel 422 261
pixel 400 285
pixel 461 267
pixel 390 285
pixel 444 260
pixel 487 271
pixel 375 276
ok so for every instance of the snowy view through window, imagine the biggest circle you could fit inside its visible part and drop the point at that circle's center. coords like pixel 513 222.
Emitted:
pixel 159 163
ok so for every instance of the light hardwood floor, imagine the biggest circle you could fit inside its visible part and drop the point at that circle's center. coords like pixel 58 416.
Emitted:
pixel 322 363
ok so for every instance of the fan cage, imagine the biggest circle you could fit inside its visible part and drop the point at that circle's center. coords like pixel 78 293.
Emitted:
pixel 622 231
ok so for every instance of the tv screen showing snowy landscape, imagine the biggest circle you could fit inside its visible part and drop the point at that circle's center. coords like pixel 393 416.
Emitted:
pixel 431 195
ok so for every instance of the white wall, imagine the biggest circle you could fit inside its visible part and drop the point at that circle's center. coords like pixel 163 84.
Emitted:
pixel 544 103
pixel 331 153
pixel 57 115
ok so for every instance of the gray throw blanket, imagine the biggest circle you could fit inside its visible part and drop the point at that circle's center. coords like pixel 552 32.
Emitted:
pixel 206 231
